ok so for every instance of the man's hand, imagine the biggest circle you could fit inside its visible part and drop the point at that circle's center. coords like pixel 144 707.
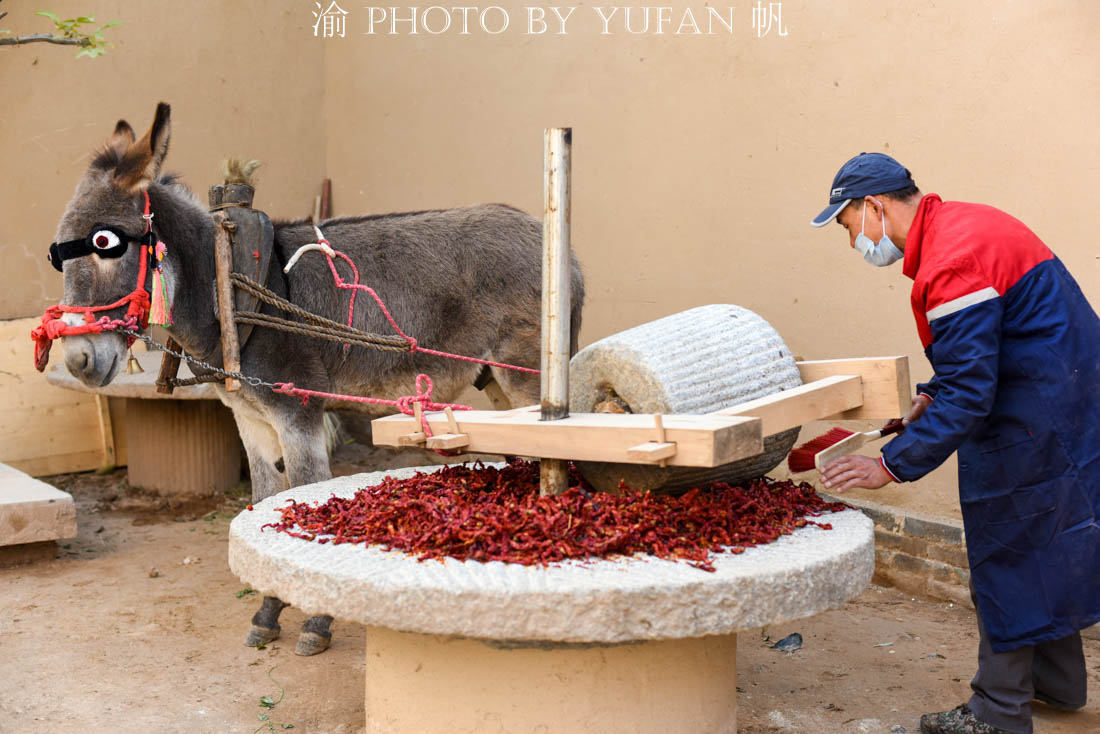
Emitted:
pixel 916 408
pixel 849 472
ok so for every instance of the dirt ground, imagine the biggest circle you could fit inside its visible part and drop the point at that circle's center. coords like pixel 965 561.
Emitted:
pixel 137 627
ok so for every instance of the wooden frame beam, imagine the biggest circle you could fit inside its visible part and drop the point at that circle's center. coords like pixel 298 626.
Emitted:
pixel 839 389
pixel 886 389
pixel 701 440
pixel 810 402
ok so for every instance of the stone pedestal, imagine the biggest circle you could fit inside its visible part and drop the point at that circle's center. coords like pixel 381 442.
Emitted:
pixel 629 644
pixel 182 447
pixel 434 683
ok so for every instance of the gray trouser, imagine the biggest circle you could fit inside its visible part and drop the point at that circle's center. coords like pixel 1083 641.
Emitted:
pixel 1007 681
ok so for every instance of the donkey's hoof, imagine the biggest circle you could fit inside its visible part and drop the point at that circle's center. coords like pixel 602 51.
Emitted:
pixel 258 635
pixel 311 643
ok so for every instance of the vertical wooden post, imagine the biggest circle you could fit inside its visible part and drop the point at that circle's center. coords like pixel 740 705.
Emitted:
pixel 169 368
pixel 223 261
pixel 106 433
pixel 556 297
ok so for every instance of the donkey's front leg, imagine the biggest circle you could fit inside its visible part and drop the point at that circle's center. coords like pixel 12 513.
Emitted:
pixel 306 456
pixel 261 443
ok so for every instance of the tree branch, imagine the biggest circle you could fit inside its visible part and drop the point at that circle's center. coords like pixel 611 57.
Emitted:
pixel 44 38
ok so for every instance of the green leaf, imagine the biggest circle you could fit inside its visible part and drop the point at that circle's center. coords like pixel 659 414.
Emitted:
pixel 267 702
pixel 288 726
pixel 264 717
pixel 48 14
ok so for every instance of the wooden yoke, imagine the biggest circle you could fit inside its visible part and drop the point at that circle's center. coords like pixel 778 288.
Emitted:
pixel 223 262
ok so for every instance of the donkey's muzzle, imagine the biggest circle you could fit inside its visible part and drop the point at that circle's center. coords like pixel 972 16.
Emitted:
pixel 95 362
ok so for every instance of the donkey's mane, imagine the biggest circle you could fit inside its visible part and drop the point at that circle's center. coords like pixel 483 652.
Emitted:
pixel 375 217
pixel 107 158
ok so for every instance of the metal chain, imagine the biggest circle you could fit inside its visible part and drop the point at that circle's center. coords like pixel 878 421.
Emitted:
pixel 149 341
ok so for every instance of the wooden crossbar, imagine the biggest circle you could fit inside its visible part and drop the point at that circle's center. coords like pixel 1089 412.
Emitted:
pixel 701 440
pixel 840 389
pixel 886 388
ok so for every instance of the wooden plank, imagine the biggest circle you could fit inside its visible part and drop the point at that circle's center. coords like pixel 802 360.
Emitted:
pixel 42 466
pixel 118 428
pixel 51 432
pixel 45 429
pixel 446 441
pixel 652 451
pixel 701 440
pixel 800 405
pixel 411 439
pixel 886 389
pixel 519 411
pixel 106 432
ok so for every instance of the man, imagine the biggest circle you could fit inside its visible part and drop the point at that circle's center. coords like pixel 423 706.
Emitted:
pixel 1016 351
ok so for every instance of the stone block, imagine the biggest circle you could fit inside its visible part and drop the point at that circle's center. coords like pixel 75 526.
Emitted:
pixel 32 511
pixel 940 531
pixel 953 555
pixel 883 517
pixel 17 555
pixel 899 542
pixel 955 593
pixel 932 570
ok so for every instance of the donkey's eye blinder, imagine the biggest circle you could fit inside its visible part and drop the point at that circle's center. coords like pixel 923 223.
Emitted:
pixel 103 241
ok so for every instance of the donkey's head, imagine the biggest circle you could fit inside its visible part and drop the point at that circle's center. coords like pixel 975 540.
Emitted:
pixel 100 232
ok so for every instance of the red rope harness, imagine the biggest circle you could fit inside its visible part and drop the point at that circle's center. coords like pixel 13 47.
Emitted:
pixel 137 311
pixel 404 403
pixel 413 345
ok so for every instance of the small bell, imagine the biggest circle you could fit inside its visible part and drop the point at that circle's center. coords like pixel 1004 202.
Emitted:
pixel 133 367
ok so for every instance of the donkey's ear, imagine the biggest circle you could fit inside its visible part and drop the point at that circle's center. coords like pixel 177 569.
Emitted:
pixel 142 161
pixel 122 138
pixel 123 134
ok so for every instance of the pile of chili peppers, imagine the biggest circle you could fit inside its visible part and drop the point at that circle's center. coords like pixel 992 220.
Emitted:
pixel 485 513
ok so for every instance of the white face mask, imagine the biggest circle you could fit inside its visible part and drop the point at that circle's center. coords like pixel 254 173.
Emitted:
pixel 885 252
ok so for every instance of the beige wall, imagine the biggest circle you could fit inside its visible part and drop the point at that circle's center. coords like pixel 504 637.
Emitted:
pixel 234 87
pixel 698 161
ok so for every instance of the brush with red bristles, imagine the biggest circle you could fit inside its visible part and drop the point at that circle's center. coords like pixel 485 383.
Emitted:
pixel 838 442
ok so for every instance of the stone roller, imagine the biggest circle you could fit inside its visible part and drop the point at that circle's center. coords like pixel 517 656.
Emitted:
pixel 697 361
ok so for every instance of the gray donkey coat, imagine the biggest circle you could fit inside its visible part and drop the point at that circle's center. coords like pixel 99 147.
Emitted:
pixel 465 281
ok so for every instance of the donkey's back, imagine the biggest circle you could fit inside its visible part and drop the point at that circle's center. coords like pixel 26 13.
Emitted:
pixel 464 280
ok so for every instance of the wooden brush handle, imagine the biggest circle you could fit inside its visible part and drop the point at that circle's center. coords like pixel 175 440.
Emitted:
pixel 894 426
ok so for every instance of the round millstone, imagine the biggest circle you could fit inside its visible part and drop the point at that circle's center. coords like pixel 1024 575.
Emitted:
pixel 614 600
pixel 696 361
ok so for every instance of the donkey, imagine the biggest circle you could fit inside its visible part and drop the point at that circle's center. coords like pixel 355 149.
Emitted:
pixel 466 280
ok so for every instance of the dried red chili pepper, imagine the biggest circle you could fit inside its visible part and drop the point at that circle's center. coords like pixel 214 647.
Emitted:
pixel 486 513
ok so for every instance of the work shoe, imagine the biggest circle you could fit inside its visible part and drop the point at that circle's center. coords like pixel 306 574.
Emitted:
pixel 959 720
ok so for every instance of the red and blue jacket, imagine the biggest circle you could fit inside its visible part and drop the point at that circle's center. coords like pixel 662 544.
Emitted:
pixel 1016 351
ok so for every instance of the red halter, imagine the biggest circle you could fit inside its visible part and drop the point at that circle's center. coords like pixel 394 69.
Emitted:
pixel 137 311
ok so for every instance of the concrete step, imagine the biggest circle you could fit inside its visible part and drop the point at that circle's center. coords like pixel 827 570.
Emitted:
pixel 32 511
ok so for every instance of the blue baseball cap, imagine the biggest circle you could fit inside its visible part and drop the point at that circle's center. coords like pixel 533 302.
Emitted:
pixel 865 175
